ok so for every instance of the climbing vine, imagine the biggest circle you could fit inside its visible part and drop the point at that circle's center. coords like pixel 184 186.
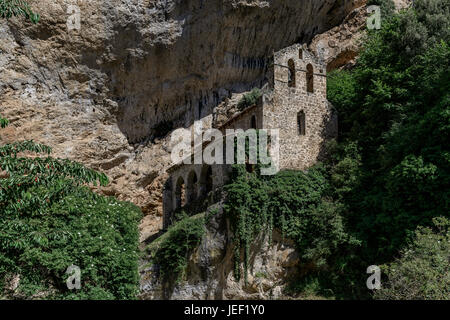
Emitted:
pixel 296 203
pixel 292 201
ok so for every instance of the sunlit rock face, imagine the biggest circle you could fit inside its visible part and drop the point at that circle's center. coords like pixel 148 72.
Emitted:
pixel 210 268
pixel 108 94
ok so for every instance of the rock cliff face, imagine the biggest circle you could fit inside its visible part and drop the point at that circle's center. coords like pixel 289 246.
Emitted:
pixel 210 270
pixel 339 46
pixel 107 94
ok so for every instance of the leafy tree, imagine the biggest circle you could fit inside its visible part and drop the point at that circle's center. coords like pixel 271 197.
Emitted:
pixel 49 220
pixel 423 269
pixel 395 132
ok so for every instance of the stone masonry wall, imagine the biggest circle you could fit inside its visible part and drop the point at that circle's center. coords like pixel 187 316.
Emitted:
pixel 244 120
pixel 281 110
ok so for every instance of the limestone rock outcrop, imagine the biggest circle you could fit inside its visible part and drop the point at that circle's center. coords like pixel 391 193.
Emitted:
pixel 210 270
pixel 339 46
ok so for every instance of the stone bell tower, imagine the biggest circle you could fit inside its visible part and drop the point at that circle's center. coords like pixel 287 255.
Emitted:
pixel 297 105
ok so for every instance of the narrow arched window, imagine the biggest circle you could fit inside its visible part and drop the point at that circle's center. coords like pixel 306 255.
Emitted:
pixel 300 54
pixel 291 73
pixel 301 123
pixel 253 122
pixel 309 78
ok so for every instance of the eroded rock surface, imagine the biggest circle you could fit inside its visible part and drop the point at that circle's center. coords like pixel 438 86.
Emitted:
pixel 210 271
pixel 339 46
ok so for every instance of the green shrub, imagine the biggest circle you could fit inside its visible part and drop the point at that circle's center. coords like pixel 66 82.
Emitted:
pixel 173 252
pixel 249 99
pixel 423 269
pixel 3 122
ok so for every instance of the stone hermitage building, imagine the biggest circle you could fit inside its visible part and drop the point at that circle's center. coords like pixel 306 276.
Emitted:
pixel 294 101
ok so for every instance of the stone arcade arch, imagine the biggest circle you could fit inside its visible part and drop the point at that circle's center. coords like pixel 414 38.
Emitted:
pixel 192 187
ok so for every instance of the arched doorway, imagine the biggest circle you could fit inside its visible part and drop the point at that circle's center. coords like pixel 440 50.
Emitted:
pixel 206 181
pixel 192 186
pixel 180 193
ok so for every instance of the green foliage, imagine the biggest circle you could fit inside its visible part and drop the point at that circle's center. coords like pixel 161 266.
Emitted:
pixel 49 220
pixel 390 170
pixel 294 202
pixel 249 99
pixel 247 197
pixel 341 91
pixel 174 250
pixel 395 173
pixel 13 8
pixel 97 234
pixel 387 7
pixel 388 174
pixel 344 168
pixel 423 269
pixel 3 122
